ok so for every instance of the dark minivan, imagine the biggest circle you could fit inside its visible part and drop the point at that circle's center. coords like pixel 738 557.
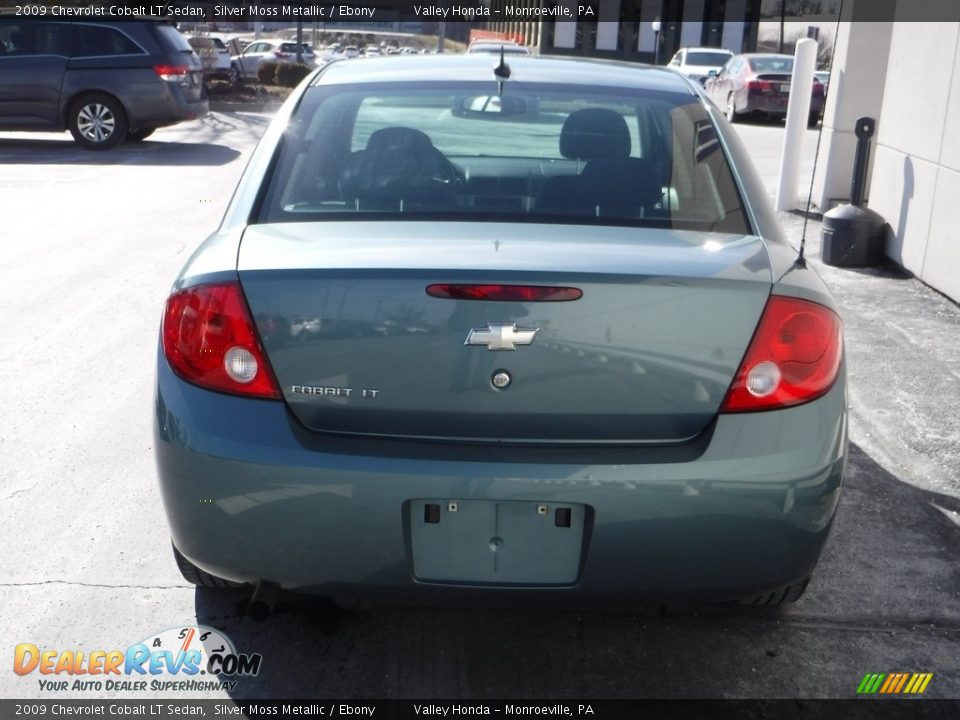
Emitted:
pixel 106 82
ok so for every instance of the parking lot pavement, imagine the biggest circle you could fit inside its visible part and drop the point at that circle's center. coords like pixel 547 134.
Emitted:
pixel 91 244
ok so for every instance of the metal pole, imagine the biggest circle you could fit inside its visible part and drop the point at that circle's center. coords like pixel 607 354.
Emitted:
pixel 864 131
pixel 783 17
pixel 798 114
pixel 656 47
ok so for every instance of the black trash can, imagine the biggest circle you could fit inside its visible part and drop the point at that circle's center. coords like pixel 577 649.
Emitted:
pixel 852 236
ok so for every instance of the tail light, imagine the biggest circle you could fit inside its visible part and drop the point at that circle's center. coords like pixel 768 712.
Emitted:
pixel 793 358
pixel 209 340
pixel 817 88
pixel 171 73
pixel 760 86
pixel 281 55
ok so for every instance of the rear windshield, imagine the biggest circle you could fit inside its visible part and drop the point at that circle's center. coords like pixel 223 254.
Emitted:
pixel 170 38
pixel 712 59
pixel 772 64
pixel 539 153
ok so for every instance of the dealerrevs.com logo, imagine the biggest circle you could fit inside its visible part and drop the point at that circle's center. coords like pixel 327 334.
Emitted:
pixel 182 659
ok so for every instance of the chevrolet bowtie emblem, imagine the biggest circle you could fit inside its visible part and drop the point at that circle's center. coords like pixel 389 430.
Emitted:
pixel 500 337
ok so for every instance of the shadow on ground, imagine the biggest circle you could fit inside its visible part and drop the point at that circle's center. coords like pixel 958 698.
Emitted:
pixel 885 598
pixel 15 151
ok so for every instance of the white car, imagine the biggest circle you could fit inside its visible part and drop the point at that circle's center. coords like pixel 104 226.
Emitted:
pixel 244 65
pixel 214 55
pixel 698 62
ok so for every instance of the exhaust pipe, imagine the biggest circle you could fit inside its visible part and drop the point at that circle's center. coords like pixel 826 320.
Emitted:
pixel 262 601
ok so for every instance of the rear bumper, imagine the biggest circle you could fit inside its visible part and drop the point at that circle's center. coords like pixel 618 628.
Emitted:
pixel 250 495
pixel 776 106
pixel 167 106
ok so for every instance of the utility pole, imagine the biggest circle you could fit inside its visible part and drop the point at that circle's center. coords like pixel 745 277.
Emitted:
pixel 783 17
pixel 299 42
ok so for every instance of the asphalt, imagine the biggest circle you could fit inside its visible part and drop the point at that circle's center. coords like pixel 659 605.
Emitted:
pixel 903 352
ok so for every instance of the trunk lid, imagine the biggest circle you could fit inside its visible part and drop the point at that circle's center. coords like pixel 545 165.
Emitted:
pixel 644 356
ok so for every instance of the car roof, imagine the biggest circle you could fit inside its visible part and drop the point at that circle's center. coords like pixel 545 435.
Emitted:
pixel 708 49
pixel 524 68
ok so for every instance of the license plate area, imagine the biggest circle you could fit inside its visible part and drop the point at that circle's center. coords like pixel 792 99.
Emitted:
pixel 490 542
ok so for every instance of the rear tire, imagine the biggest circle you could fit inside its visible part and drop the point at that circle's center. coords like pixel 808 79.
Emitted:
pixel 97 121
pixel 140 135
pixel 731 111
pixel 192 574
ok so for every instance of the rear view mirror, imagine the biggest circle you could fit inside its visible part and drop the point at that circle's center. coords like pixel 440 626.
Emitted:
pixel 492 106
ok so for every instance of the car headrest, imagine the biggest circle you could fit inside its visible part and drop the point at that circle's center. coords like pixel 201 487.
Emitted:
pixel 623 181
pixel 398 162
pixel 594 133
pixel 399 139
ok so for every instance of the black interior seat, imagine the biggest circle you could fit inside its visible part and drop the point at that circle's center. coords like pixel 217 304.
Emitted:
pixel 399 170
pixel 611 182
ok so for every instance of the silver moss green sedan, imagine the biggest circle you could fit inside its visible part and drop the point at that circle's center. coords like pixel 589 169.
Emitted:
pixel 473 331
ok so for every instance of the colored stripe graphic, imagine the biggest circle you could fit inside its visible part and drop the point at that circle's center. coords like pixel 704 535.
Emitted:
pixel 915 681
pixel 870 683
pixel 862 688
pixel 894 683
pixel 903 680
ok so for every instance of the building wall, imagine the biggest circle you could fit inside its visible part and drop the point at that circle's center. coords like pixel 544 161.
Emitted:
pixel 622 28
pixel 916 169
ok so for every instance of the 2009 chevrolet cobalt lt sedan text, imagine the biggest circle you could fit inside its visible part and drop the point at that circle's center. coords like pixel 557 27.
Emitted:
pixel 478 331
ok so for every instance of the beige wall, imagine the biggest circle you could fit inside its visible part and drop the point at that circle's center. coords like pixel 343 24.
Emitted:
pixel 916 169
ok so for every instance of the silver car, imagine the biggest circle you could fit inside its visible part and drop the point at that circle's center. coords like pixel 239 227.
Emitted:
pixel 553 348
pixel 245 65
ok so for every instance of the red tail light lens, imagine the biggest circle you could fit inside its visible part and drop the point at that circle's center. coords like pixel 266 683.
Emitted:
pixel 793 358
pixel 504 293
pixel 279 54
pixel 171 73
pixel 209 340
pixel 760 85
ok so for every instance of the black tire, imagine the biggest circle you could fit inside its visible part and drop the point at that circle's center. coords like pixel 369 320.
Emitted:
pixel 782 596
pixel 140 135
pixel 97 121
pixel 192 574
pixel 731 110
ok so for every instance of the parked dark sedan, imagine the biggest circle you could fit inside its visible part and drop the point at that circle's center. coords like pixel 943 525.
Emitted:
pixel 759 84
pixel 104 82
pixel 493 355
